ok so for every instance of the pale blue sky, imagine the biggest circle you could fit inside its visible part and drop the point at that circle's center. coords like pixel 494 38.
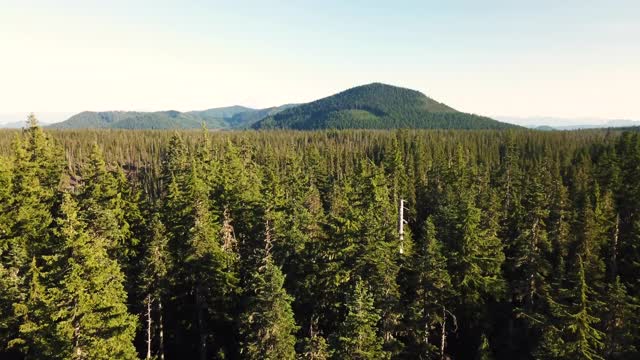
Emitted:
pixel 518 58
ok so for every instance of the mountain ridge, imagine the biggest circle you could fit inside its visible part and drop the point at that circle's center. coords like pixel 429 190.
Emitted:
pixel 230 117
pixel 370 106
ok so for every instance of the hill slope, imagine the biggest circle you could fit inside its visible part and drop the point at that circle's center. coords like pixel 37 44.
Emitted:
pixel 216 118
pixel 376 106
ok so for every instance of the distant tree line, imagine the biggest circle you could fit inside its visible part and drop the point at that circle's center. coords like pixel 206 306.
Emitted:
pixel 284 245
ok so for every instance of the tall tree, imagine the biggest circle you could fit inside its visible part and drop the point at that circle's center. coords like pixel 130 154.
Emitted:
pixel 267 326
pixel 358 338
pixel 86 301
pixel 27 199
pixel 583 339
pixel 154 285
pixel 433 291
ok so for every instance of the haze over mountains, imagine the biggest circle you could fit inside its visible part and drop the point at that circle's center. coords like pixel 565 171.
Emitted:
pixel 558 123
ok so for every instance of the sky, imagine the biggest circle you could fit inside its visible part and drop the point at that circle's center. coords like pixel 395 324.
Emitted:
pixel 517 58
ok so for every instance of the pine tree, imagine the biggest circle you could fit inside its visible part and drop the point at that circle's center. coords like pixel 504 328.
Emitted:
pixel 266 324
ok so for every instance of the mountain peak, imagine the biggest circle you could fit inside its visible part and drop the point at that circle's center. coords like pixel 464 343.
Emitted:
pixel 376 106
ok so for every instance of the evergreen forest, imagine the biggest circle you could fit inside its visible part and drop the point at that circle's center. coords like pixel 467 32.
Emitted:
pixel 158 244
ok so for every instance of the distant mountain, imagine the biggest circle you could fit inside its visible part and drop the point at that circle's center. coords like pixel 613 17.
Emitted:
pixel 13 125
pixel 607 124
pixel 558 123
pixel 376 106
pixel 216 118
pixel 247 118
pixel 17 120
pixel 373 106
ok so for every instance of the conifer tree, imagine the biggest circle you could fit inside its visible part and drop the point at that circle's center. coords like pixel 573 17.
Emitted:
pixel 102 206
pixel 476 259
pixel 530 287
pixel 154 282
pixel 36 334
pixel 10 279
pixel 89 301
pixel 29 183
pixel 432 294
pixel 315 348
pixel 267 326
pixel 620 323
pixel 206 273
pixel 357 337
pixel 583 339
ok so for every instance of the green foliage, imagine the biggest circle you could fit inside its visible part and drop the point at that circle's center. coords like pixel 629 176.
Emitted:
pixel 430 295
pixel 267 325
pixel 376 106
pixel 315 348
pixel 358 337
pixel 518 244
pixel 218 118
pixel 80 313
pixel 584 341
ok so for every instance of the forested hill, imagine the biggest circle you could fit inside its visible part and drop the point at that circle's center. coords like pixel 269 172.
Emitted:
pixel 373 106
pixel 231 117
pixel 376 106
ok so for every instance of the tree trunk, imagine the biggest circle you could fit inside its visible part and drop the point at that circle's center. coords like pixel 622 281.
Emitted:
pixel 160 330
pixel 443 335
pixel 149 326
pixel 77 350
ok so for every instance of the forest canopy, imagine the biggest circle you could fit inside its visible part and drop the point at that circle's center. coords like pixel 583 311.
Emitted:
pixel 519 244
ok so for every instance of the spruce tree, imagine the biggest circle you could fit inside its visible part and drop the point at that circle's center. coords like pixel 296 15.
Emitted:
pixel 620 322
pixel 476 259
pixel 583 340
pixel 29 182
pixel 36 333
pixel 433 291
pixel 206 270
pixel 89 300
pixel 315 348
pixel 267 325
pixel 357 337
pixel 102 206
pixel 154 285
pixel 529 265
